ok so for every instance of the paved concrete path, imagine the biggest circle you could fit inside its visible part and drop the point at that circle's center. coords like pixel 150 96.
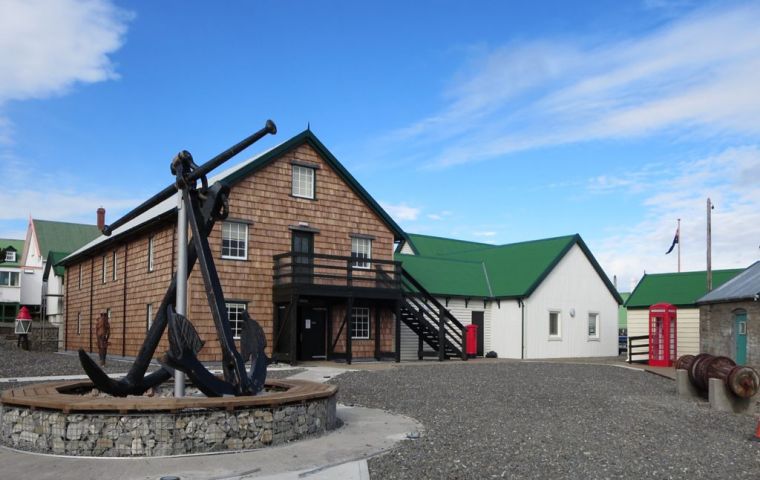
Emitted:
pixel 338 454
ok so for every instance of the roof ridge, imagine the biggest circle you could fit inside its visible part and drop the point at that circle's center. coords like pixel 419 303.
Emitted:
pixel 694 272
pixel 449 238
pixel 431 257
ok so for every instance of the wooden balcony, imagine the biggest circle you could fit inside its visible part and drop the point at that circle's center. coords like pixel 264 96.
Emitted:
pixel 332 275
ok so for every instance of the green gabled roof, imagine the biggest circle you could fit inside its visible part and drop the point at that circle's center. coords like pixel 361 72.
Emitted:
pixel 508 271
pixel 437 246
pixel 447 277
pixel 62 236
pixel 680 289
pixel 52 259
pixel 18 246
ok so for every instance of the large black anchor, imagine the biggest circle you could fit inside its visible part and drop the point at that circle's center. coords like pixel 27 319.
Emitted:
pixel 204 207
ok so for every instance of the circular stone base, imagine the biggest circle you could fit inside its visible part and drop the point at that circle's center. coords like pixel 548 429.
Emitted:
pixel 56 418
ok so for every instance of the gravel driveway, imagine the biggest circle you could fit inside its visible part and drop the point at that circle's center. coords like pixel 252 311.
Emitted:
pixel 537 420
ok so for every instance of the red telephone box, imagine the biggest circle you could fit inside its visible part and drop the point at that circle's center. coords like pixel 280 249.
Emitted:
pixel 662 335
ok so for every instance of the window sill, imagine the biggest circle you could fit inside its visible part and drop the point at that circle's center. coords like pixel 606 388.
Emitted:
pixel 238 259
pixel 303 198
pixel 555 339
pixel 593 339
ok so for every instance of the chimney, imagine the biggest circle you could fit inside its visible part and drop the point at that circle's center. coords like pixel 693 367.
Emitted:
pixel 101 218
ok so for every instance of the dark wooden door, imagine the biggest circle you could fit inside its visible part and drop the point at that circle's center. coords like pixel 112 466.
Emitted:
pixel 477 319
pixel 303 251
pixel 313 327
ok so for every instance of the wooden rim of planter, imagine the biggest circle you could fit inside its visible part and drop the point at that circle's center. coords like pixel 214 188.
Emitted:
pixel 53 396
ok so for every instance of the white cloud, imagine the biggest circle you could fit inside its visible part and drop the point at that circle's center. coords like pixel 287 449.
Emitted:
pixel 681 192
pixel 439 215
pixel 48 45
pixel 687 78
pixel 401 211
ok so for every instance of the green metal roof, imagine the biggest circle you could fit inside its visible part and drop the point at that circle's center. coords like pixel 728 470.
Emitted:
pixel 507 271
pixel 447 277
pixel 62 236
pixel 680 289
pixel 437 246
pixel 52 259
pixel 17 245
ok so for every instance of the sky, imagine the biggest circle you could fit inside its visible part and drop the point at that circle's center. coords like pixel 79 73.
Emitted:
pixel 488 121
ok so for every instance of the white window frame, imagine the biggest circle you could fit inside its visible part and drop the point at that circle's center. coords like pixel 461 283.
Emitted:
pixel 11 276
pixel 113 265
pixel 151 245
pixel 105 268
pixel 227 233
pixel 80 276
pixel 361 248
pixel 303 181
pixel 79 323
pixel 10 256
pixel 558 335
pixel 360 314
pixel 236 323
pixel 595 336
pixel 148 315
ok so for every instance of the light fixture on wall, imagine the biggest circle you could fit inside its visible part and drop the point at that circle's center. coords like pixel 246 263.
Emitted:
pixel 572 312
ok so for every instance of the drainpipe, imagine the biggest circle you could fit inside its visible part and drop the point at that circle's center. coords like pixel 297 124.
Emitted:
pixel 521 303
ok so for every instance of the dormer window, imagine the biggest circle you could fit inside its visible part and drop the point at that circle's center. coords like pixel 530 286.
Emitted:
pixel 303 181
pixel 10 256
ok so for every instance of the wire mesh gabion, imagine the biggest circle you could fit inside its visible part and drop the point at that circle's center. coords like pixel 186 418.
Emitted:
pixel 162 433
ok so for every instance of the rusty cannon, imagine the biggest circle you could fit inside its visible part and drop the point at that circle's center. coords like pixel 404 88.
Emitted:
pixel 741 380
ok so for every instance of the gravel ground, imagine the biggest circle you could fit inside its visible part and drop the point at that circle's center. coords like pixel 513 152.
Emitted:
pixel 535 420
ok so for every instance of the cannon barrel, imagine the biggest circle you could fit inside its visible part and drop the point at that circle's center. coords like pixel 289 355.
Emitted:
pixel 743 381
pixel 199 172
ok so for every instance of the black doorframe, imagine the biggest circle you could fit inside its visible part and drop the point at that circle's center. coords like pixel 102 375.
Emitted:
pixel 303 267
pixel 477 319
pixel 312 342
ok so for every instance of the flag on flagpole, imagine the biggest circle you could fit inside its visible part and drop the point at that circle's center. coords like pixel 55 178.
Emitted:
pixel 675 240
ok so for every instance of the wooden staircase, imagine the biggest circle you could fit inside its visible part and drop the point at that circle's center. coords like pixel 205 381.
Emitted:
pixel 434 325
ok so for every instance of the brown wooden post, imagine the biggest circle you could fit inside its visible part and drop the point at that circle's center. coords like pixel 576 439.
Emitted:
pixel 377 332
pixel 349 312
pixel 419 337
pixel 293 322
pixel 398 331
pixel 441 337
pixel 124 307
pixel 349 273
pixel 92 275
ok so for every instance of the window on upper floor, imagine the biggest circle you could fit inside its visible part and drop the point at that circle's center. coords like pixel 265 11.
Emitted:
pixel 79 285
pixel 361 250
pixel 105 268
pixel 79 323
pixel 10 256
pixel 8 279
pixel 150 254
pixel 235 240
pixel 360 323
pixel 148 316
pixel 113 265
pixel 303 181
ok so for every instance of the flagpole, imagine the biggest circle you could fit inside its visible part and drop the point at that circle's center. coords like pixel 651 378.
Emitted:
pixel 709 244
pixel 679 245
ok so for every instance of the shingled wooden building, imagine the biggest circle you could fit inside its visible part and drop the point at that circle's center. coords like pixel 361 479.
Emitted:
pixel 305 250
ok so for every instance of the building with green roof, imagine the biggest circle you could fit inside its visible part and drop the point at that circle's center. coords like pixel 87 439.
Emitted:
pixel 42 238
pixel 536 299
pixel 10 271
pixel 681 289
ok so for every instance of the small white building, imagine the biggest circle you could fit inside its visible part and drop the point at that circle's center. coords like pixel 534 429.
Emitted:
pixel 545 298
pixel 43 237
pixel 10 290
pixel 681 289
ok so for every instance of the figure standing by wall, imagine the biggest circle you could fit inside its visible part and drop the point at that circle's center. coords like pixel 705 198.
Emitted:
pixel 102 331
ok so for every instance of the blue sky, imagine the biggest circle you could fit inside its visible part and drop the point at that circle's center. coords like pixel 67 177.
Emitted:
pixel 489 121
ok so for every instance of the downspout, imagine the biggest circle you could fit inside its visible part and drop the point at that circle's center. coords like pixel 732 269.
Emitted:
pixel 124 306
pixel 521 302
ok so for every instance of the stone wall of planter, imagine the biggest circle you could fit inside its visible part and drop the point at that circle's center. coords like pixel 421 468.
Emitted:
pixel 158 433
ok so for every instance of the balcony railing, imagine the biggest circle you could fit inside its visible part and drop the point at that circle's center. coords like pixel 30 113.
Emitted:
pixel 316 269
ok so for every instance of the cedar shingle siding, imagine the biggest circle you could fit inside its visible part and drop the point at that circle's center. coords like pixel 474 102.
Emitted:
pixel 264 200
